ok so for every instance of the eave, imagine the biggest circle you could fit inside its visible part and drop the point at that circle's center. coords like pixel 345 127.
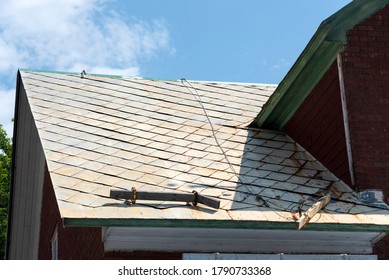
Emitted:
pixel 220 224
pixel 237 241
pixel 313 63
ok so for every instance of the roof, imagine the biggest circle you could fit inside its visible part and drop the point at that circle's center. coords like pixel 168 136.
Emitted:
pixel 313 63
pixel 102 133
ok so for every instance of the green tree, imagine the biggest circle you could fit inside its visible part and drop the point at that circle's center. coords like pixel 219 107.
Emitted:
pixel 5 177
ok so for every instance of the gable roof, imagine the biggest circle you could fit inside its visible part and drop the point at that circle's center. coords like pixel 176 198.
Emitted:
pixel 101 133
pixel 313 63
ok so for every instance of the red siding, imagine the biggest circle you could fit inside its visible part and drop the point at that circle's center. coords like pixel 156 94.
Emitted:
pixel 73 243
pixel 366 75
pixel 318 125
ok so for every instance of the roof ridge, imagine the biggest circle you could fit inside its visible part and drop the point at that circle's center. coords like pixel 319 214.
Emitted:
pixel 232 83
pixel 71 73
pixel 147 78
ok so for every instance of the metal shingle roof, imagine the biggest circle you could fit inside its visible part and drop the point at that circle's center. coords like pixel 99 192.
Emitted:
pixel 101 133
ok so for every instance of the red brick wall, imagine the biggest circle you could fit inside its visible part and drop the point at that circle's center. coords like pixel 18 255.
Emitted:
pixel 366 74
pixel 318 125
pixel 381 248
pixel 73 243
pixel 49 218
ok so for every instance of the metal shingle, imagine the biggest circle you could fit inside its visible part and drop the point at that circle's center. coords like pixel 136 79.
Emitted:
pixel 100 133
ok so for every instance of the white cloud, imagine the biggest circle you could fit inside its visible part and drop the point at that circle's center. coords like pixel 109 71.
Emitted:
pixel 280 65
pixel 73 35
pixel 7 104
pixel 60 34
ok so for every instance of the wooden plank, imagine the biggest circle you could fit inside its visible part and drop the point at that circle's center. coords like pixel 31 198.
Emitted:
pixel 183 197
pixel 345 119
pixel 166 196
pixel 211 202
pixel 312 211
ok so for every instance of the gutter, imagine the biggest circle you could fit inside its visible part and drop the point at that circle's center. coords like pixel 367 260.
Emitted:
pixel 188 223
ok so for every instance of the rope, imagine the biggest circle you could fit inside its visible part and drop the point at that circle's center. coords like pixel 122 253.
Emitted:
pixel 197 96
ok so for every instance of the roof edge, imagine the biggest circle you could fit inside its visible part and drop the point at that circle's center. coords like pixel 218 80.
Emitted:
pixel 148 78
pixel 289 93
pixel 313 63
pixel 69 73
pixel 177 223
pixel 349 16
pixel 11 187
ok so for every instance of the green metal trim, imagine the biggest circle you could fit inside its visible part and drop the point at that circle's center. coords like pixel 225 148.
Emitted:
pixel 351 15
pixel 299 82
pixel 73 222
pixel 69 73
pixel 303 85
pixel 279 93
pixel 159 79
pixel 313 63
pixel 47 71
pixel 96 75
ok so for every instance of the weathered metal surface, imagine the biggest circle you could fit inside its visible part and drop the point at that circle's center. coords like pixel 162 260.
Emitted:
pixel 103 133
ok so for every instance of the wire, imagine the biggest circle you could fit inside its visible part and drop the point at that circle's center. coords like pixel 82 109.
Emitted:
pixel 197 96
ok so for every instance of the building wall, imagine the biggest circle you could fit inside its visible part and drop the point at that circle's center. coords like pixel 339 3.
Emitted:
pixel 381 249
pixel 73 243
pixel 318 125
pixel 81 243
pixel 365 62
pixel 27 182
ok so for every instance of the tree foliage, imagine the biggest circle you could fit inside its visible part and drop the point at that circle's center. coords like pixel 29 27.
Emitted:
pixel 5 178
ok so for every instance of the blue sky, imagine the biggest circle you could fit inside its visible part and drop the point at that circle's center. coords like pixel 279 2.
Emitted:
pixel 217 40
